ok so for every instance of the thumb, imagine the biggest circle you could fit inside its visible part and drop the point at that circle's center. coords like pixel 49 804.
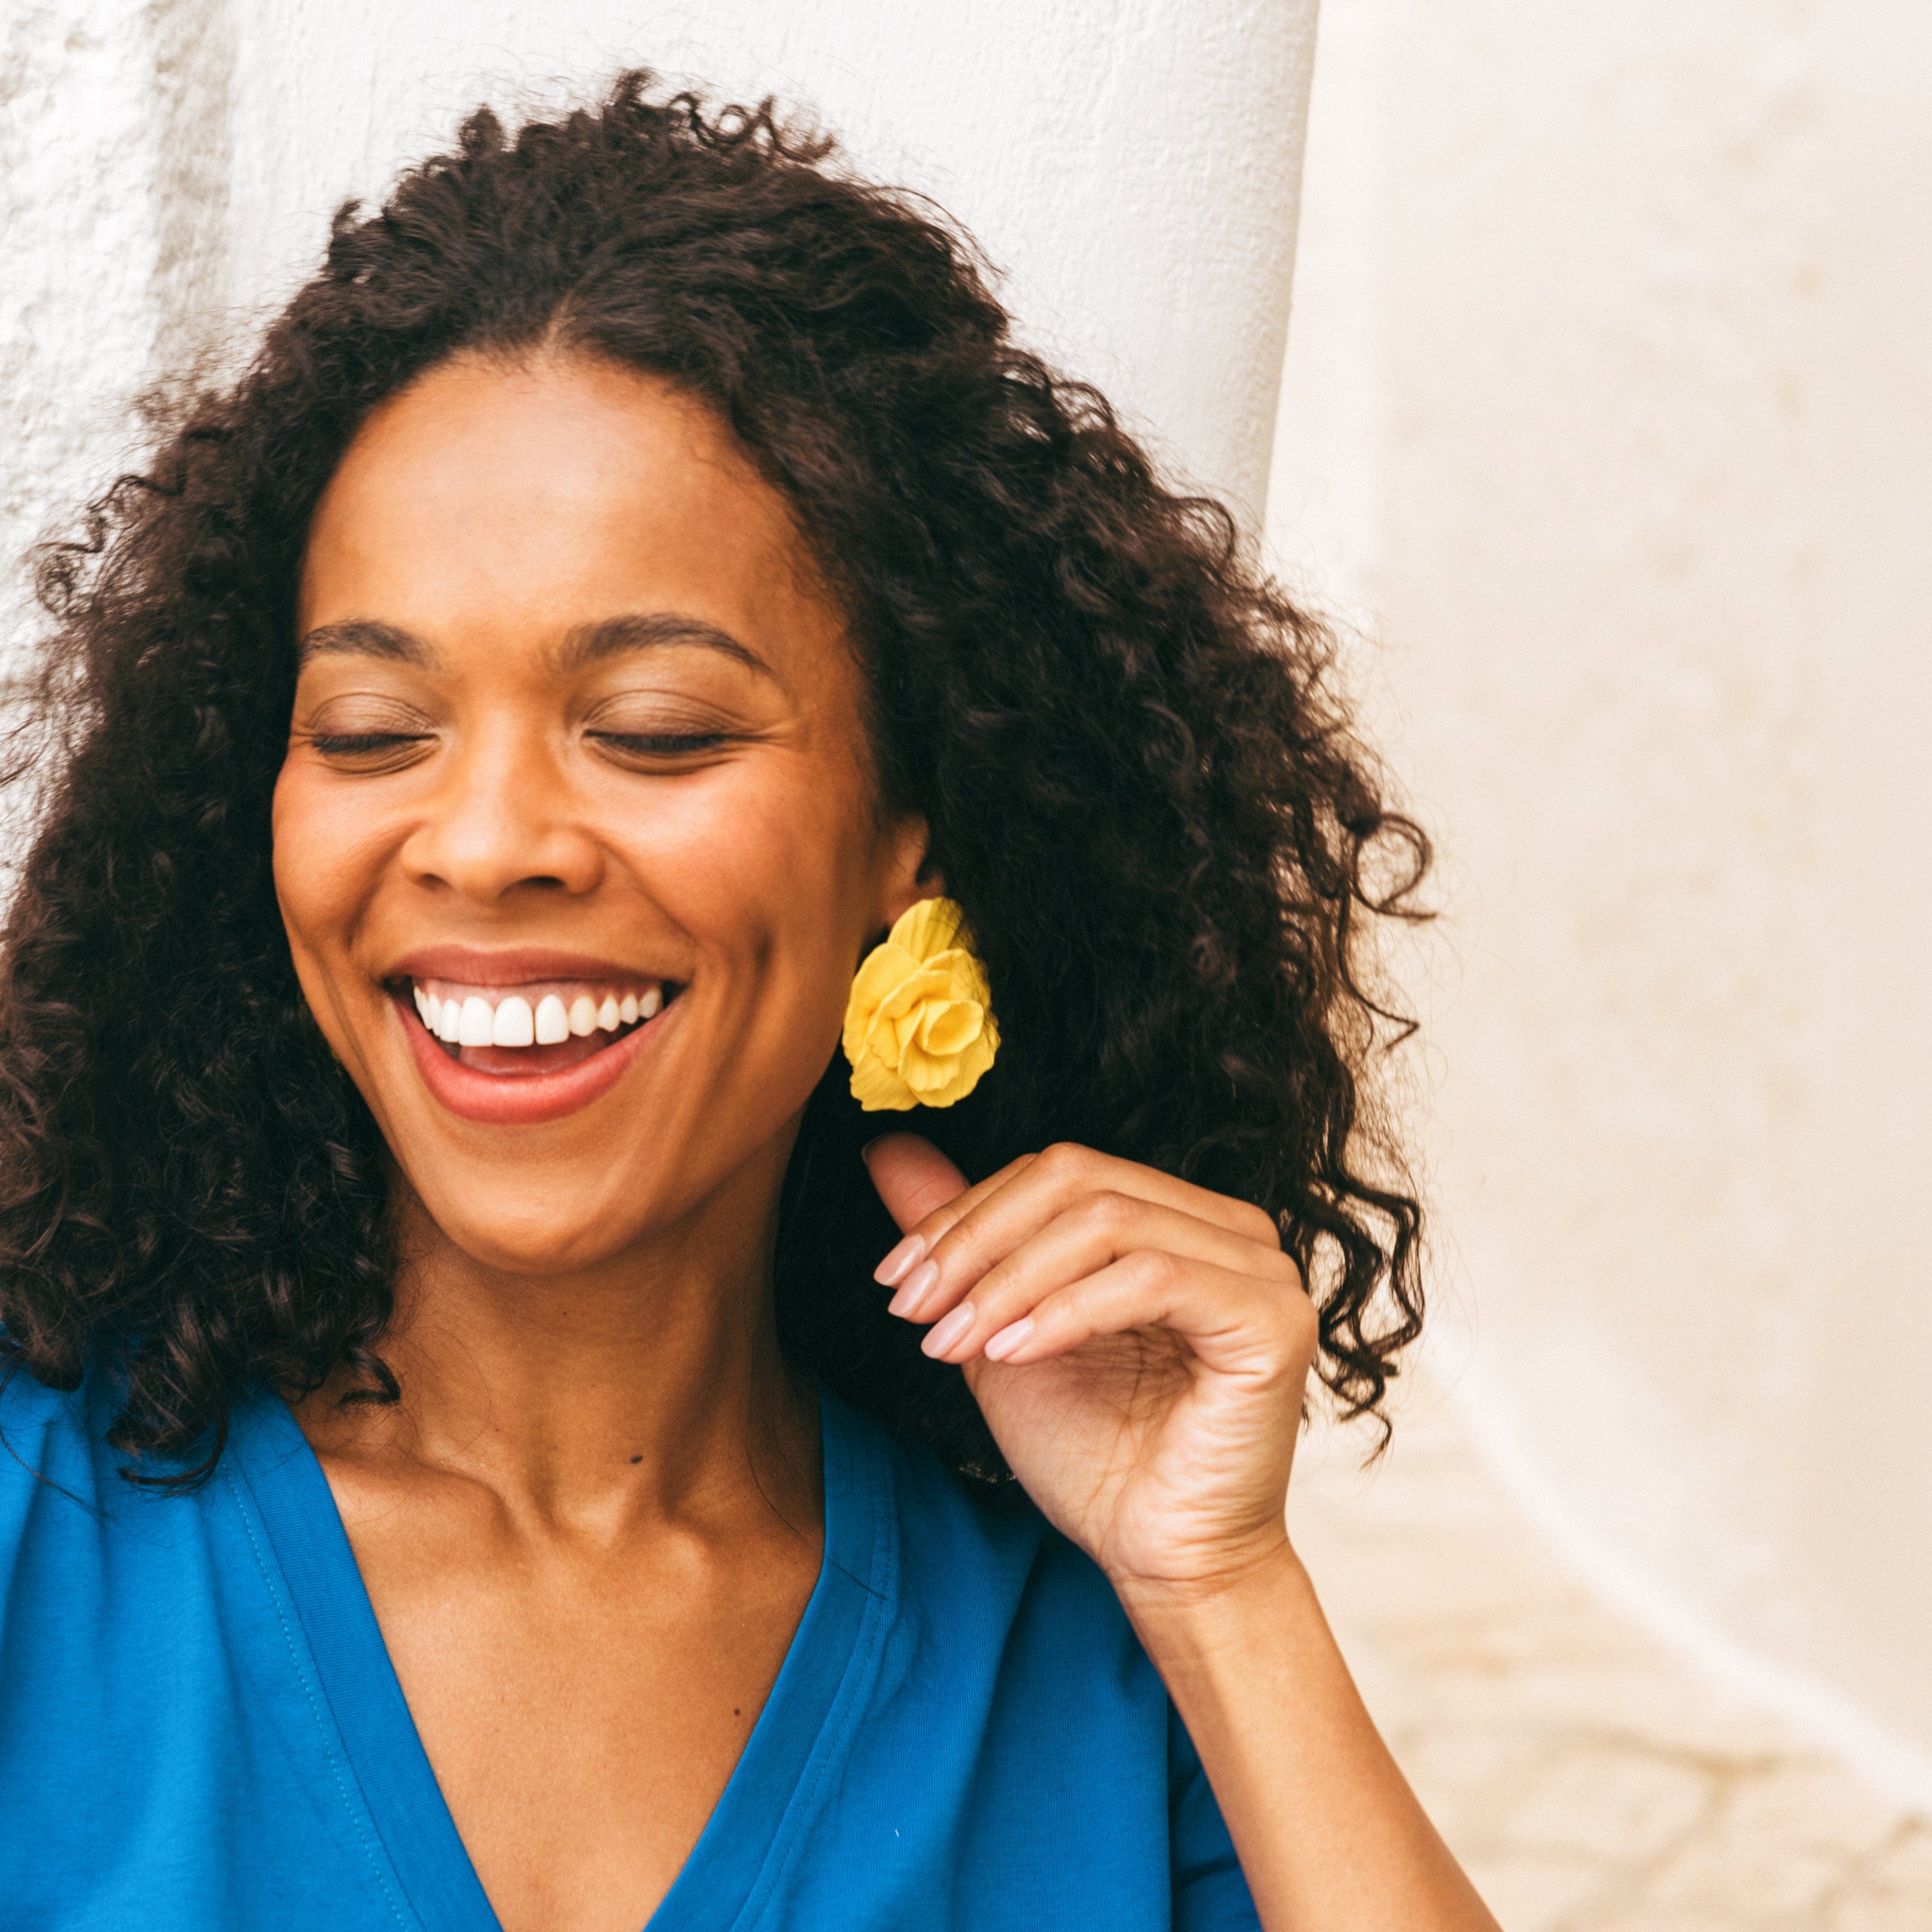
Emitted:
pixel 912 1175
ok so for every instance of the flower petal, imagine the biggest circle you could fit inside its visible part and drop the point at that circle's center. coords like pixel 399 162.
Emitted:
pixel 948 1027
pixel 930 927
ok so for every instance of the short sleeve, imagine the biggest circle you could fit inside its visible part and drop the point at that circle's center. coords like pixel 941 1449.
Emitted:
pixel 1210 1893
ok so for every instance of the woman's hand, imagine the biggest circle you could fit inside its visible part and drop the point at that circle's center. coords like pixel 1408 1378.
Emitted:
pixel 1139 1348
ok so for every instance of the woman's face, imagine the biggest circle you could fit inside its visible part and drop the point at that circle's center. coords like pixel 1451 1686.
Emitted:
pixel 576 840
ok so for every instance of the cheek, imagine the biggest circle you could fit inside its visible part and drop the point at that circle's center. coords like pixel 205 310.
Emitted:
pixel 322 849
pixel 771 868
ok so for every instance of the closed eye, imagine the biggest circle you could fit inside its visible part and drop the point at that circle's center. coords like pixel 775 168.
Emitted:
pixel 371 754
pixel 663 744
pixel 357 744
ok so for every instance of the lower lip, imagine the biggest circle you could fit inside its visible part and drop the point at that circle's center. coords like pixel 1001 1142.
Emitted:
pixel 520 1100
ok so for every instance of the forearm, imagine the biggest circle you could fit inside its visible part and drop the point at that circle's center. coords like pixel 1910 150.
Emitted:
pixel 1328 1832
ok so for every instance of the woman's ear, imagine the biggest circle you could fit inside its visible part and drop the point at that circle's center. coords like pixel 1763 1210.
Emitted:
pixel 907 877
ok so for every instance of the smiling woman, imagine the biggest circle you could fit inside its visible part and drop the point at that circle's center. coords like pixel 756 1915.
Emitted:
pixel 499 1437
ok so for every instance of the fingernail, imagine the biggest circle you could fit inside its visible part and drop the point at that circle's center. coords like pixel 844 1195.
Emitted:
pixel 919 1285
pixel 894 1268
pixel 1000 1346
pixel 946 1334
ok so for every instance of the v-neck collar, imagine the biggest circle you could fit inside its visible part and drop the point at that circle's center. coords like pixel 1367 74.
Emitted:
pixel 737 1867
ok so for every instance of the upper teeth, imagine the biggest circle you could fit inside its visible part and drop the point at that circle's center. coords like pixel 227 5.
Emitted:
pixel 482 1017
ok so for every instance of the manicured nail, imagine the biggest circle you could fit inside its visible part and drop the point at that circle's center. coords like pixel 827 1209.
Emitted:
pixel 1000 1346
pixel 898 1264
pixel 918 1286
pixel 946 1334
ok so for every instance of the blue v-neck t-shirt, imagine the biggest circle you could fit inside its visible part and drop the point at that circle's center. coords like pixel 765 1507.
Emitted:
pixel 200 1728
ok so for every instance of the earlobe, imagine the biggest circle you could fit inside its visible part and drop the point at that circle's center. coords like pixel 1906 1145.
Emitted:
pixel 908 878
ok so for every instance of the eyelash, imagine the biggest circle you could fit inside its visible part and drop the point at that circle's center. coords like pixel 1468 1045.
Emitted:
pixel 670 745
pixel 362 744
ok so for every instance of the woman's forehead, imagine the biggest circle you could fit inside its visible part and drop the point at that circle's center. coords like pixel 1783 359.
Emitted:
pixel 550 494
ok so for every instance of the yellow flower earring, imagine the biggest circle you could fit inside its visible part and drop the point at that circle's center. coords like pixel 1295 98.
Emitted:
pixel 919 1029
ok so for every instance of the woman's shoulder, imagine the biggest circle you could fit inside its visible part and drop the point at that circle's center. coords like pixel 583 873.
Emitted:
pixel 65 1487
pixel 64 1508
pixel 52 1437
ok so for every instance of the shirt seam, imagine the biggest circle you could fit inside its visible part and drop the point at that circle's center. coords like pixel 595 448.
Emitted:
pixel 364 1828
pixel 880 1590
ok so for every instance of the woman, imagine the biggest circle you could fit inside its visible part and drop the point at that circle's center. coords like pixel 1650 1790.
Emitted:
pixel 506 1427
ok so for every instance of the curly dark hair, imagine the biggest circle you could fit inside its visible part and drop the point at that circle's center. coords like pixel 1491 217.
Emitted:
pixel 1139 784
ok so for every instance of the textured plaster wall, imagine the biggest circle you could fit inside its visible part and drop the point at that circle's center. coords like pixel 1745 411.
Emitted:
pixel 113 187
pixel 169 168
pixel 1609 396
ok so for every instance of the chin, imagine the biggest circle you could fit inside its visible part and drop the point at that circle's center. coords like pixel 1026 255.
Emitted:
pixel 537 1228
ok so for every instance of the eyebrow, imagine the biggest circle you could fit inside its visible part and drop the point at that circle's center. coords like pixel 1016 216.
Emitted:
pixel 587 644
pixel 362 637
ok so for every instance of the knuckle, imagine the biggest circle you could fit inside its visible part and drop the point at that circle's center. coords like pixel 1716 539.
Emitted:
pixel 1067 1162
pixel 1300 1324
pixel 1104 1212
pixel 1281 1265
pixel 1155 1267
pixel 1258 1225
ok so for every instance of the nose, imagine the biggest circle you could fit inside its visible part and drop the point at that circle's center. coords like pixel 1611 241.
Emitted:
pixel 504 822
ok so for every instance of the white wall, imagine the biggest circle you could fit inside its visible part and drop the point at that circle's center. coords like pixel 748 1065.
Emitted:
pixel 169 167
pixel 1610 392
pixel 111 201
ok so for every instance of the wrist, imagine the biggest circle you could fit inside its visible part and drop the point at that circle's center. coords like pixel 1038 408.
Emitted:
pixel 1192 1615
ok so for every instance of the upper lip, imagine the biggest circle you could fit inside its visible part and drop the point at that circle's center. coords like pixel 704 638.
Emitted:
pixel 508 966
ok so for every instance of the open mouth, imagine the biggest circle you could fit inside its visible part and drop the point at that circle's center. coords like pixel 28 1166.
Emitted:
pixel 541 1027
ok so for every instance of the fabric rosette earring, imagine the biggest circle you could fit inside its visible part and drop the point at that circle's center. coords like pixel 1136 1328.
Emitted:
pixel 919 1029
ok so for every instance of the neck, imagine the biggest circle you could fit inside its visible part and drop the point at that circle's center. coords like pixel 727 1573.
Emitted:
pixel 648 1386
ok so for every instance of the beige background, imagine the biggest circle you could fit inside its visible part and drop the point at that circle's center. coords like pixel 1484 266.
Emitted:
pixel 1609 408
